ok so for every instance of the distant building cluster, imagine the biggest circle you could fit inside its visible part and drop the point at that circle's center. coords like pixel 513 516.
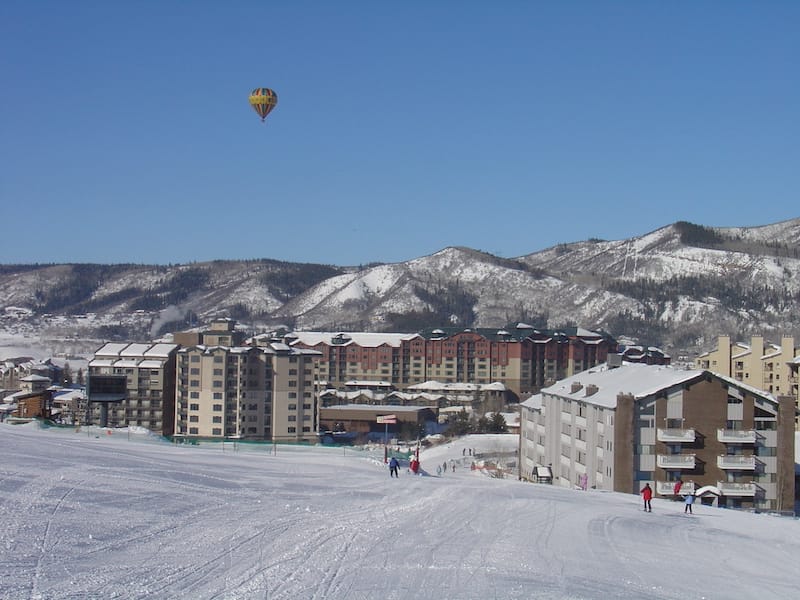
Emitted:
pixel 31 388
pixel 592 414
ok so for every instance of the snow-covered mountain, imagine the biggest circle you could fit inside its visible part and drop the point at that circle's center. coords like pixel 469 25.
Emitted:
pixel 678 287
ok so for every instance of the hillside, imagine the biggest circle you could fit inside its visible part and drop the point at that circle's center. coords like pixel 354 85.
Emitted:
pixel 677 287
pixel 131 516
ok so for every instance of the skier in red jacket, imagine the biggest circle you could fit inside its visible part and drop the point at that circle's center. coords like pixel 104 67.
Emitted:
pixel 647 495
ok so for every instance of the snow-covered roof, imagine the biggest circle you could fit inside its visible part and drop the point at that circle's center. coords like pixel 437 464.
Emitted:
pixel 160 350
pixel 101 362
pixel 363 339
pixel 388 408
pixel 364 382
pixel 127 363
pixel 151 364
pixel 110 349
pixel 534 402
pixel 134 349
pixel 638 380
pixel 458 387
pixel 33 378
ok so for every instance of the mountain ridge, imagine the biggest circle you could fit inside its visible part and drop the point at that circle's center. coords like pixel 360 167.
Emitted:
pixel 678 286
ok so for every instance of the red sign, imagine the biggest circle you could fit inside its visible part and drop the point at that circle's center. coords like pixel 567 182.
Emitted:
pixel 388 419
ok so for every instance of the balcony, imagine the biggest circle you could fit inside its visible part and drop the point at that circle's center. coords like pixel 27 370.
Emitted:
pixel 735 436
pixel 667 488
pixel 676 461
pixel 737 489
pixel 737 462
pixel 676 435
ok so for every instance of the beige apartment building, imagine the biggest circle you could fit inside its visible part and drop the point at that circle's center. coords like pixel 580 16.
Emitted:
pixel 761 364
pixel 246 392
pixel 150 373
pixel 617 429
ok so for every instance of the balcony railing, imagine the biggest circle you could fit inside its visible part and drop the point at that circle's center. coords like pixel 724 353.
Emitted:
pixel 667 488
pixel 737 489
pixel 737 462
pixel 676 461
pixel 676 435
pixel 735 436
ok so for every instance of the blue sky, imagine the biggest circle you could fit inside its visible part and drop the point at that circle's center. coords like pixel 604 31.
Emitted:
pixel 401 128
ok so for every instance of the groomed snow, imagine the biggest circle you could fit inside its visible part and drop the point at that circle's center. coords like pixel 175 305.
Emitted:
pixel 91 515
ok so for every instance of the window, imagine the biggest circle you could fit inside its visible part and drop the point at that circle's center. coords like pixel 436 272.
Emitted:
pixel 217 420
pixel 194 371
pixel 292 418
pixel 192 430
pixel 194 419
pixel 217 407
pixel 216 431
pixel 291 429
pixel 292 407
pixel 217 395
pixel 194 394
pixel 194 407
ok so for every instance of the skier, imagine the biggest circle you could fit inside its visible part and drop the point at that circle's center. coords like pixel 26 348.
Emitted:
pixel 647 495
pixel 678 485
pixel 689 500
pixel 393 468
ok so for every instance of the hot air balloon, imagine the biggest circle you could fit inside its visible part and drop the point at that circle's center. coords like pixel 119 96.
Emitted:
pixel 263 100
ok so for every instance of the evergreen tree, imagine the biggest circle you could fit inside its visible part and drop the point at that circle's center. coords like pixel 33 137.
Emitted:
pixel 66 375
pixel 460 424
pixel 497 424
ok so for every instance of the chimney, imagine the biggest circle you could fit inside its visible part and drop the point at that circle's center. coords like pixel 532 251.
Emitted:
pixel 591 389
pixel 576 386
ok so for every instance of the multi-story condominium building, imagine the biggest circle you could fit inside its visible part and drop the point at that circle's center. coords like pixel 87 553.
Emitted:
pixel 761 364
pixel 246 392
pixel 150 373
pixel 523 360
pixel 619 428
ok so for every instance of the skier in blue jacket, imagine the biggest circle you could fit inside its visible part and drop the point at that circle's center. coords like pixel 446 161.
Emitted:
pixel 393 468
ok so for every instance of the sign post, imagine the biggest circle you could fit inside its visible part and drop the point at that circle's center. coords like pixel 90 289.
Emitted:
pixel 386 420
